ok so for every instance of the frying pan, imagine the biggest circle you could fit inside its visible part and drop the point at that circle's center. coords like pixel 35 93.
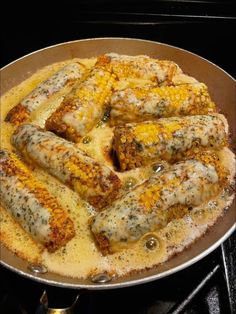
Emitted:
pixel 222 89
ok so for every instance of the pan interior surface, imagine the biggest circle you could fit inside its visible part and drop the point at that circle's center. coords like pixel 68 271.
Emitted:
pixel 222 89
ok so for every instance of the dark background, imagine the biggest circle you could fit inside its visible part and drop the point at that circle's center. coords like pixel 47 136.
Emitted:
pixel 203 27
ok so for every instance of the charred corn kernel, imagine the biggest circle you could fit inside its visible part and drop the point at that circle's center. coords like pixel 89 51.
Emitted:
pixel 67 75
pixel 137 104
pixel 169 139
pixel 151 205
pixel 142 67
pixel 94 182
pixel 31 205
pixel 85 105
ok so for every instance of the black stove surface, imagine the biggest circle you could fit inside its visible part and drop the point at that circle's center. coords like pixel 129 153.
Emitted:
pixel 206 28
pixel 203 27
pixel 201 288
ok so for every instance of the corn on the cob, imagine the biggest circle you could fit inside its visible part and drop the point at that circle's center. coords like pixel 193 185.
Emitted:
pixel 85 105
pixel 67 75
pixel 31 205
pixel 143 67
pixel 92 181
pixel 164 197
pixel 138 144
pixel 137 104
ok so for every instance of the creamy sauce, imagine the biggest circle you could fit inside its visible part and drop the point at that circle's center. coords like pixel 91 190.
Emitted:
pixel 81 257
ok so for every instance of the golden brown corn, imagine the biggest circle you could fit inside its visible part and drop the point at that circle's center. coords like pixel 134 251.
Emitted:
pixel 85 105
pixel 137 104
pixel 138 144
pixel 31 205
pixel 94 182
pixel 67 75
pixel 143 67
pixel 151 205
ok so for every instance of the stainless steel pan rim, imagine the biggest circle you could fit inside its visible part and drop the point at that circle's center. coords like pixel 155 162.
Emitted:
pixel 122 284
pixel 215 236
pixel 112 38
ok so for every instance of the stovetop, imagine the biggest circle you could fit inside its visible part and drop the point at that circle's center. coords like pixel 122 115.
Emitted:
pixel 205 287
pixel 202 27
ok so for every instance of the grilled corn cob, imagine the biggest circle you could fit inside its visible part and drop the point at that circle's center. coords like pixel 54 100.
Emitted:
pixel 67 75
pixel 31 205
pixel 92 181
pixel 142 67
pixel 85 105
pixel 164 197
pixel 138 144
pixel 137 104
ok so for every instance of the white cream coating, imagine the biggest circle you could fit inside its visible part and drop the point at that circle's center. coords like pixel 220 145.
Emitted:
pixel 88 107
pixel 126 102
pixel 144 66
pixel 202 127
pixel 78 120
pixel 128 219
pixel 52 85
pixel 179 134
pixel 52 153
pixel 24 207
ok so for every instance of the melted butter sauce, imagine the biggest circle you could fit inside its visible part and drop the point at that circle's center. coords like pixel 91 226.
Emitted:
pixel 80 257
